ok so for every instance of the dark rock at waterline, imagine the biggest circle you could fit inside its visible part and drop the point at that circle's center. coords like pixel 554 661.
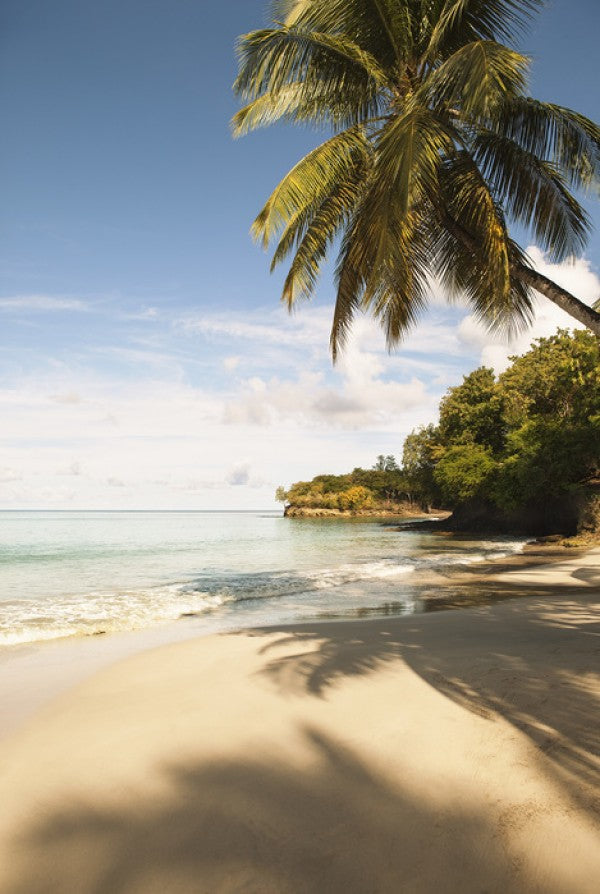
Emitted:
pixel 569 514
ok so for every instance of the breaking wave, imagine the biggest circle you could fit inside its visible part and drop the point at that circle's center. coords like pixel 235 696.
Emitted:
pixel 95 612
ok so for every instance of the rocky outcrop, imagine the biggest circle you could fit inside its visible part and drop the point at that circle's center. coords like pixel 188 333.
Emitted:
pixel 402 510
pixel 576 512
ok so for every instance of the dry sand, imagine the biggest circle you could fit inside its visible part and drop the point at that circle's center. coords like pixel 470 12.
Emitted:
pixel 447 752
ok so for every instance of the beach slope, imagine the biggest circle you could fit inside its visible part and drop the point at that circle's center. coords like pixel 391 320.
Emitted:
pixel 455 751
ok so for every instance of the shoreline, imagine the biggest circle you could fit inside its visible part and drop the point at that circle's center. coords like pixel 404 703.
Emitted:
pixel 446 751
pixel 33 674
pixel 404 511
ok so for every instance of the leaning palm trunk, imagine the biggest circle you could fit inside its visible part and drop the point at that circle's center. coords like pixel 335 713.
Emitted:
pixel 583 313
pixel 435 148
pixel 559 296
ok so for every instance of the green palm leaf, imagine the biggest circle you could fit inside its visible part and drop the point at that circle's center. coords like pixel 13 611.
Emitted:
pixel 274 57
pixel 309 183
pixel 569 140
pixel 533 193
pixel 457 22
pixel 435 147
pixel 477 79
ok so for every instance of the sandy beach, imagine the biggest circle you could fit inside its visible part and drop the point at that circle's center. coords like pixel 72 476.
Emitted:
pixel 455 751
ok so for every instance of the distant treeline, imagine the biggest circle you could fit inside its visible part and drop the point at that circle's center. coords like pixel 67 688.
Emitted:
pixel 531 434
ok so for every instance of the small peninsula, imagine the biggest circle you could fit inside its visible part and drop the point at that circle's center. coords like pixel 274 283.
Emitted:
pixel 382 491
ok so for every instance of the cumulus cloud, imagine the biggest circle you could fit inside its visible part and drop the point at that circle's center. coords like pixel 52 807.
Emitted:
pixel 358 395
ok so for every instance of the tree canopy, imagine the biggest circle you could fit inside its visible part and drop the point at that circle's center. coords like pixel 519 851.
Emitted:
pixel 381 488
pixel 434 149
pixel 529 434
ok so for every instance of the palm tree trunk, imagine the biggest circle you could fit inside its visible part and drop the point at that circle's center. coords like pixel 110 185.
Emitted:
pixel 559 296
pixel 555 293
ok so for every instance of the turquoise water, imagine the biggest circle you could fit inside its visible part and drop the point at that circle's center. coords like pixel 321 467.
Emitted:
pixel 74 573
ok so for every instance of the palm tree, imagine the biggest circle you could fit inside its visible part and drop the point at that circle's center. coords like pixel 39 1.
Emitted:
pixel 433 148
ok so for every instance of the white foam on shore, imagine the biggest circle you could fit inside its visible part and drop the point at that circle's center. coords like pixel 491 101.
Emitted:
pixel 92 613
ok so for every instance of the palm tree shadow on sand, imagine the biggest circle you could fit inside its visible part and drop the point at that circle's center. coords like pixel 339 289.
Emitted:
pixel 266 827
pixel 334 823
pixel 535 673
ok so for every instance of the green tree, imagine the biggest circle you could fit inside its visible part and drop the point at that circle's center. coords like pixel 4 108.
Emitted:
pixel 546 459
pixel 281 495
pixel 390 463
pixel 552 409
pixel 474 411
pixel 355 498
pixel 559 377
pixel 531 436
pixel 422 450
pixel 435 149
pixel 465 472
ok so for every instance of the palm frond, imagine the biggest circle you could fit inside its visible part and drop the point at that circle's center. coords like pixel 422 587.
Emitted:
pixel 382 27
pixel 312 248
pixel 355 259
pixel 567 139
pixel 272 58
pixel 319 106
pixel 533 193
pixel 476 79
pixel 310 181
pixel 458 22
pixel 381 268
pixel 409 152
pixel 343 195
pixel 478 266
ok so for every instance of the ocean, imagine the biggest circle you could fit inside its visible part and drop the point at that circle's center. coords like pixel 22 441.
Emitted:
pixel 82 573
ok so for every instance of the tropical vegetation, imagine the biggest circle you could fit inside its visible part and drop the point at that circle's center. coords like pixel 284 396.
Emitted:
pixel 524 440
pixel 434 149
pixel 383 488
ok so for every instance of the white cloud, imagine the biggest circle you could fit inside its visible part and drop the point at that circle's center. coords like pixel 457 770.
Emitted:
pixel 577 277
pixel 73 469
pixel 115 482
pixel 7 474
pixel 269 328
pixel 68 397
pixel 41 303
pixel 239 474
pixel 147 314
pixel 213 388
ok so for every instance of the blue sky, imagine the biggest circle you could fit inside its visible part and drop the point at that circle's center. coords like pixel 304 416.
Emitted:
pixel 145 359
